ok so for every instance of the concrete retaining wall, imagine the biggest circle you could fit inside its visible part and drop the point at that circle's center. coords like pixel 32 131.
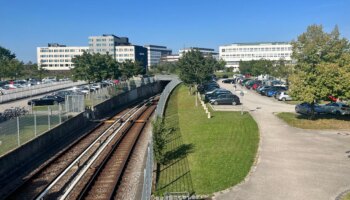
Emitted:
pixel 43 144
pixel 30 155
pixel 122 99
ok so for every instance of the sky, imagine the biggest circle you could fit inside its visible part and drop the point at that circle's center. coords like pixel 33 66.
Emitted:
pixel 25 25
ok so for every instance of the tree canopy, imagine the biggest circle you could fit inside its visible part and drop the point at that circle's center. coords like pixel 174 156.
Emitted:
pixel 95 67
pixel 256 67
pixel 130 68
pixel 323 65
pixel 10 67
pixel 194 68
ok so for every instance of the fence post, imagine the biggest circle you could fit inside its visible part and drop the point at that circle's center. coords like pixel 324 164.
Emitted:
pixel 59 113
pixel 18 140
pixel 35 131
pixel 48 117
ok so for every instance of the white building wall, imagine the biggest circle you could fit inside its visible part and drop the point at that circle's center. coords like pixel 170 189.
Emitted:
pixel 58 58
pixel 123 53
pixel 234 53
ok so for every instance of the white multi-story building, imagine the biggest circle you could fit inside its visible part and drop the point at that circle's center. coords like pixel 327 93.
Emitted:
pixel 106 43
pixel 58 57
pixel 170 58
pixel 204 51
pixel 155 53
pixel 236 52
pixel 175 57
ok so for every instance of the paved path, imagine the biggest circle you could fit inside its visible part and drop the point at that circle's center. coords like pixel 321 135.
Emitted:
pixel 293 163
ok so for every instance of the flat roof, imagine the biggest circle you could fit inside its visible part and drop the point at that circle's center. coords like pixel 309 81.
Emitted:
pixel 255 43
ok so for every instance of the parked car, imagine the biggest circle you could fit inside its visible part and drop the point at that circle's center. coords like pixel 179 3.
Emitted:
pixel 205 86
pixel 305 108
pixel 273 92
pixel 256 85
pixel 215 93
pixel 283 96
pixel 261 88
pixel 229 80
pixel 211 88
pixel 9 87
pixel 244 81
pixel 46 100
pixel 229 99
pixel 337 108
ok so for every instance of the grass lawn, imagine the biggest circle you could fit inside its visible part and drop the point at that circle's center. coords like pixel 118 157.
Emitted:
pixel 346 197
pixel 205 155
pixel 321 122
pixel 9 132
pixel 220 74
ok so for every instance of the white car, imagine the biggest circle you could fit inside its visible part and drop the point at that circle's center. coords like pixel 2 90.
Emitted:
pixel 283 96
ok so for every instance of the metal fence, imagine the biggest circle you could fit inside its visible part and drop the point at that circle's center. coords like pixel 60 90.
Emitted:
pixel 18 129
pixel 148 170
pixel 19 93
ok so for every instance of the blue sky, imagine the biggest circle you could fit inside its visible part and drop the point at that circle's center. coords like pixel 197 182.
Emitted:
pixel 25 25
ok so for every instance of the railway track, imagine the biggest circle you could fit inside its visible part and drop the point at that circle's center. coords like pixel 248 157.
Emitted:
pixel 74 173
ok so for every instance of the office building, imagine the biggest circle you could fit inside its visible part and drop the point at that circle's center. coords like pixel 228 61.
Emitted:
pixel 131 52
pixel 204 51
pixel 58 57
pixel 236 52
pixel 155 53
pixel 106 44
pixel 175 57
pixel 170 58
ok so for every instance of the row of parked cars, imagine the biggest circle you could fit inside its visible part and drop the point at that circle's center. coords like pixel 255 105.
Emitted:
pixel 14 84
pixel 279 90
pixel 276 89
pixel 216 95
pixel 60 96
pixel 334 108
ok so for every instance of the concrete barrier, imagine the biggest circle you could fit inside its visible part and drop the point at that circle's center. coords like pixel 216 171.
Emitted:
pixel 138 93
pixel 19 162
pixel 30 155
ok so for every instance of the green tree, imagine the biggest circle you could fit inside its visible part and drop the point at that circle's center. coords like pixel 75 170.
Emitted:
pixel 195 68
pixel 165 67
pixel 95 67
pixel 322 67
pixel 8 63
pixel 131 68
pixel 255 67
pixel 159 139
pixel 5 53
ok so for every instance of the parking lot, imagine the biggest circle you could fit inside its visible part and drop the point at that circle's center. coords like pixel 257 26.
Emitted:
pixel 292 163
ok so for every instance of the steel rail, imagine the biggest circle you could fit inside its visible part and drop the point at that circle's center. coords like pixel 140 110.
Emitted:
pixel 76 161
pixel 96 155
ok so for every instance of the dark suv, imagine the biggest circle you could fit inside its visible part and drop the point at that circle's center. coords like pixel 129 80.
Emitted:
pixel 230 99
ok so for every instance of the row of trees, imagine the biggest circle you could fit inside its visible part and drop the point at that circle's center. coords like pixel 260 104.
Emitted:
pixel 278 68
pixel 321 69
pixel 12 68
pixel 96 67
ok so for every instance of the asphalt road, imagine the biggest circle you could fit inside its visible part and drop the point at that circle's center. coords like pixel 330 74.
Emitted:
pixel 292 163
pixel 20 103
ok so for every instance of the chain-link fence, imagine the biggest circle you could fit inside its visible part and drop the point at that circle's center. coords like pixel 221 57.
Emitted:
pixel 148 170
pixel 19 125
pixel 98 96
pixel 18 129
